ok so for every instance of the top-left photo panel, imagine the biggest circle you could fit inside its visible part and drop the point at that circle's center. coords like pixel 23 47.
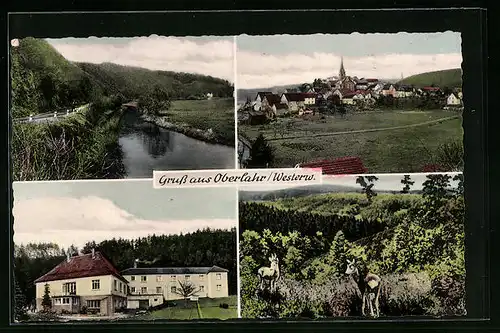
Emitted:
pixel 114 108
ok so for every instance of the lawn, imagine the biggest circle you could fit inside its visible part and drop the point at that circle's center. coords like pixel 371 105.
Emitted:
pixel 391 150
pixel 209 310
pixel 217 114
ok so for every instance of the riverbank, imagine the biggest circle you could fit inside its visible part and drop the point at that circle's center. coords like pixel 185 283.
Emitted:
pixel 203 135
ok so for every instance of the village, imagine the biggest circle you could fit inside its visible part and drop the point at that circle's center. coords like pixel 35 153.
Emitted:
pixel 345 120
pixel 341 94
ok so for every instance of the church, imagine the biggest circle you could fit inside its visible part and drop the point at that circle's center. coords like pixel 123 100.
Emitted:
pixel 345 83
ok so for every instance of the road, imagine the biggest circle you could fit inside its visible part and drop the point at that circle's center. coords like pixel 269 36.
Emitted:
pixel 51 116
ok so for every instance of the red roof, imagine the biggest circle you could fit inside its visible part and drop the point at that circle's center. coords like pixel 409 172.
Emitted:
pixel 299 97
pixel 82 266
pixel 341 166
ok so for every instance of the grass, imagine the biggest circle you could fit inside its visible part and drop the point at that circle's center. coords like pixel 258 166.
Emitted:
pixel 451 78
pixel 395 150
pixel 215 114
pixel 77 147
pixel 209 310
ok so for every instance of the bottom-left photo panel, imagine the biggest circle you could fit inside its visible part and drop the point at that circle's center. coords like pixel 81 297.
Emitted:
pixel 123 251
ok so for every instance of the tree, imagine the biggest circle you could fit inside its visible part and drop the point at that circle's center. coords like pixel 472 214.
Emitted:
pixel 155 102
pixel 19 302
pixel 186 290
pixel 407 182
pixel 46 301
pixel 367 184
pixel 261 154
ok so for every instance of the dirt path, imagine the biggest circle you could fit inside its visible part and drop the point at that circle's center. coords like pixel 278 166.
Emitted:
pixel 430 122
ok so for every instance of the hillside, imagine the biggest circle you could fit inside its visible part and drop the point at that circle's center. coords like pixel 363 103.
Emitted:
pixel 451 78
pixel 135 81
pixel 43 80
pixel 243 94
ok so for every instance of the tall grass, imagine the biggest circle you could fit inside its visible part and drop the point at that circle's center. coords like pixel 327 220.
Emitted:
pixel 83 146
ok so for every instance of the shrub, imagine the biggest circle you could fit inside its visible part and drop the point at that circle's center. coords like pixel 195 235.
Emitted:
pixel 224 306
pixel 83 310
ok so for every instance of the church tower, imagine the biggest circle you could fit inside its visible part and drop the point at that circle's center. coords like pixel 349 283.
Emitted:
pixel 342 70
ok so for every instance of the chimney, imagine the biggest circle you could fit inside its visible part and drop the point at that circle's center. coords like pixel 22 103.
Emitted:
pixel 68 256
pixel 93 253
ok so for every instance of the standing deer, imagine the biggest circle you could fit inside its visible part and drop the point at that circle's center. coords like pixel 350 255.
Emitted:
pixel 368 284
pixel 270 274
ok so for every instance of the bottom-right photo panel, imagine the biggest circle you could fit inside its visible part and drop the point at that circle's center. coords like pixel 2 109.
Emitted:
pixel 375 246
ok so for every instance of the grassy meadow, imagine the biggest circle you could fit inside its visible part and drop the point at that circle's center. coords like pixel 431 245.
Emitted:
pixel 205 308
pixel 405 149
pixel 414 242
pixel 216 114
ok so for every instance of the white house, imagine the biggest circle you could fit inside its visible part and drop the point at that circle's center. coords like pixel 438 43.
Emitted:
pixel 259 99
pixel 453 100
pixel 88 280
pixel 210 95
pixel 151 286
pixel 294 101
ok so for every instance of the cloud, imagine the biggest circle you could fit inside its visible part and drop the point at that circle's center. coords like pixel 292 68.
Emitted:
pixel 256 70
pixel 67 221
pixel 212 57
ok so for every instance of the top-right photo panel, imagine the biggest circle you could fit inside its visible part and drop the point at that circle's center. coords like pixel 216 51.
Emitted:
pixel 351 103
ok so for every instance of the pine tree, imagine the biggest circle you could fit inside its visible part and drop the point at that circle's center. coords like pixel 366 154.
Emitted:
pixel 261 154
pixel 338 251
pixel 407 182
pixel 19 303
pixel 46 301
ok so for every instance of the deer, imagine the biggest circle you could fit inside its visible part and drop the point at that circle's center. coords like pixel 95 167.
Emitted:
pixel 368 284
pixel 270 274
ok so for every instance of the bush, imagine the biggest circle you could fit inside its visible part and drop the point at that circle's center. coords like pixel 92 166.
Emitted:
pixel 83 310
pixel 65 312
pixel 224 306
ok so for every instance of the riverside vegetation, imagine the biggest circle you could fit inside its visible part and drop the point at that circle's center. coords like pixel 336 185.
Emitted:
pixel 413 241
pixel 86 145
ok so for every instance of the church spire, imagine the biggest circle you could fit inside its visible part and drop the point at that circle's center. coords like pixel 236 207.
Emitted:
pixel 342 70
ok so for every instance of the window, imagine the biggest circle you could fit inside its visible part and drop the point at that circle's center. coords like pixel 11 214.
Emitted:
pixel 65 300
pixel 218 276
pixel 144 278
pixel 156 300
pixel 218 287
pixel 173 277
pixel 132 289
pixel 69 288
pixel 94 304
pixel 75 301
pixel 121 287
pixel 144 290
pixel 132 278
pixel 96 284
pixel 202 288
pixel 116 285
pixel 57 301
pixel 187 277
pixel 159 290
pixel 173 289
pixel 158 278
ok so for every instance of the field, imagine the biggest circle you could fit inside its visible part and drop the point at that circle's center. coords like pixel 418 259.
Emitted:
pixel 217 114
pixel 413 242
pixel 209 309
pixel 387 149
pixel 450 78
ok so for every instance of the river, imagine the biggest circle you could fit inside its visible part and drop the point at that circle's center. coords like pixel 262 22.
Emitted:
pixel 147 147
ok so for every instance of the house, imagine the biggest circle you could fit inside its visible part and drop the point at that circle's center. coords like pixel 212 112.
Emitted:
pixel 348 98
pixel 280 109
pixel 340 166
pixel 453 100
pixel 389 89
pixel 151 286
pixel 362 84
pixel 88 280
pixel 294 101
pixel 270 100
pixel 259 98
pixel 257 118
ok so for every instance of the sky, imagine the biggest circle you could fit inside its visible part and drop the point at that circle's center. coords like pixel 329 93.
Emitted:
pixel 385 182
pixel 205 55
pixel 74 212
pixel 266 61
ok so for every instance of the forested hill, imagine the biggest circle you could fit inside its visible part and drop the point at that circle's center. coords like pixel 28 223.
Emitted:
pixel 43 80
pixel 135 81
pixel 451 78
